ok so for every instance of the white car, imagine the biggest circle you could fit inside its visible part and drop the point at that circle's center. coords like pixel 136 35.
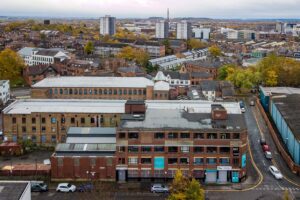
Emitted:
pixel 159 188
pixel 65 187
pixel 275 172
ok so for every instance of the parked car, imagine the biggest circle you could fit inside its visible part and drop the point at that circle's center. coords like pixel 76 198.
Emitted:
pixel 85 187
pixel 242 106
pixel 275 172
pixel 38 187
pixel 265 147
pixel 262 141
pixel 268 155
pixel 252 103
pixel 65 187
pixel 159 188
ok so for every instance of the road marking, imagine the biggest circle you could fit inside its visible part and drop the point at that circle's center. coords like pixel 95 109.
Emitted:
pixel 263 162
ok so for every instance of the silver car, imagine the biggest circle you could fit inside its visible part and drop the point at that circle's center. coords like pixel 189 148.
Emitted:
pixel 159 188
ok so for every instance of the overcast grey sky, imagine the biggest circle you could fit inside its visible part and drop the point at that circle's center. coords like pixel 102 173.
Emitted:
pixel 147 8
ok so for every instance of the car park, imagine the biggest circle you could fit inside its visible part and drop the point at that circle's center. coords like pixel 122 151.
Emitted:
pixel 268 155
pixel 65 187
pixel 275 172
pixel 159 188
pixel 265 147
pixel 38 187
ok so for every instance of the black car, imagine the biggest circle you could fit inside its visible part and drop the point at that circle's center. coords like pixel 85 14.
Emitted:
pixel 39 187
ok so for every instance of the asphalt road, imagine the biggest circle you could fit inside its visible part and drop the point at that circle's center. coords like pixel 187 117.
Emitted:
pixel 268 187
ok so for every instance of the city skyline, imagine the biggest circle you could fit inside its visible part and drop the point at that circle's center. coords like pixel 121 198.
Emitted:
pixel 229 9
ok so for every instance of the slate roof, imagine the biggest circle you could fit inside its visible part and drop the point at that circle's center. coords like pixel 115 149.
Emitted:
pixel 177 75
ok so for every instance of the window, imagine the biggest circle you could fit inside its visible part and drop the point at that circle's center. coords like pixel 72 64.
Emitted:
pixel 14 120
pixel 198 161
pixel 23 120
pixel 65 91
pixel 53 120
pixel 76 162
pixel 211 136
pixel 133 135
pixel 224 161
pixel 140 92
pixel 72 120
pixel 173 149
pixel 92 161
pixel 122 135
pixel 24 129
pixel 183 160
pixel 172 161
pixel 211 161
pixel 199 135
pixel 133 149
pixel 146 149
pixel 43 128
pixel 33 139
pixel 184 135
pixel 61 91
pixel 50 91
pixel 110 91
pixel 133 160
pixel 125 91
pixel 146 160
pixel 70 91
pixel 33 129
pixel 115 92
pixel 53 138
pixel 92 120
pixel 159 149
pixel 198 149
pixel 130 92
pixel 109 161
pixel 236 161
pixel 105 91
pixel 82 120
pixel 43 120
pixel 80 91
pixel 185 149
pixel 62 120
pixel 159 135
pixel 172 135
pixel 90 91
pixel 95 91
pixel 224 150
pixel 33 120
pixel 100 91
pixel 236 151
pixel 134 92
pixel 75 91
pixel 225 135
pixel 122 149
pixel 211 149
pixel 121 161
pixel 236 136
pixel 120 91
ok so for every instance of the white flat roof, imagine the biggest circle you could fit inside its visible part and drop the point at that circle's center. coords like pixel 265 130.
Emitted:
pixel 28 106
pixel 90 82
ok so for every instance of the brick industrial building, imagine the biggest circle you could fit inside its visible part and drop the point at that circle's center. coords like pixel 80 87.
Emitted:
pixel 205 141
pixel 137 88
pixel 46 121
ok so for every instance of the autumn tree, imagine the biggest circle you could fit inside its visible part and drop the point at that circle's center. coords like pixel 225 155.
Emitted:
pixel 129 53
pixel 225 71
pixel 11 67
pixel 215 51
pixel 184 189
pixel 195 44
pixel 89 48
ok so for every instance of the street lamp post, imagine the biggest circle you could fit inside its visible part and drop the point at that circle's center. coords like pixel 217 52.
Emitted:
pixel 166 176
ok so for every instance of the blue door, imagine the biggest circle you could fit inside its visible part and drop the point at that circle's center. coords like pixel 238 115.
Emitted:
pixel 235 177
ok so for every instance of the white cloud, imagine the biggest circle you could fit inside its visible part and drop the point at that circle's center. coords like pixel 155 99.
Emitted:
pixel 146 8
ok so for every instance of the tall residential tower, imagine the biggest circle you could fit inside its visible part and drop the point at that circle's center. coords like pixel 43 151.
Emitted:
pixel 184 30
pixel 107 25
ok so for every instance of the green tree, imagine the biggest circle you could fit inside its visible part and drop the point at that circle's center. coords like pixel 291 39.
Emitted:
pixel 215 51
pixel 195 44
pixel 127 53
pixel 141 57
pixel 194 191
pixel 11 67
pixel 225 71
pixel 89 48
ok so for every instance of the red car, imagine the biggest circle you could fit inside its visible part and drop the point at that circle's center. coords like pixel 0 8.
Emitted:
pixel 265 147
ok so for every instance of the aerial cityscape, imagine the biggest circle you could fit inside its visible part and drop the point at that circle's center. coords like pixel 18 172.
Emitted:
pixel 149 99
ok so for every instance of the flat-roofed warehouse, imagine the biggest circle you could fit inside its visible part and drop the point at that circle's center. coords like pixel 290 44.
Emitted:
pixel 137 88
